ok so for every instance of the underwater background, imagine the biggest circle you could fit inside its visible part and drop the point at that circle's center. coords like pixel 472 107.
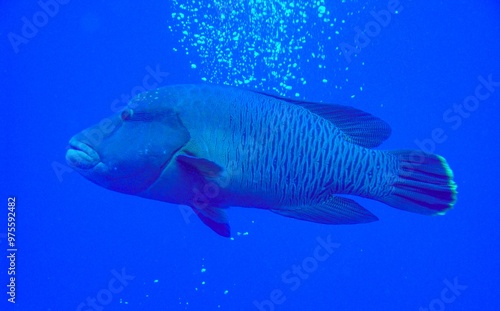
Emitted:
pixel 429 69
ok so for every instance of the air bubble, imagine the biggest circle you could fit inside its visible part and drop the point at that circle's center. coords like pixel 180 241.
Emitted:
pixel 262 44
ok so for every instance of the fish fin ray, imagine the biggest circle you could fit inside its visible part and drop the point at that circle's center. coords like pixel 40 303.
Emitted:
pixel 424 184
pixel 337 210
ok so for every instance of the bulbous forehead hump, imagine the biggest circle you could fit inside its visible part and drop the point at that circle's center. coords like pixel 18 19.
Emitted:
pixel 156 99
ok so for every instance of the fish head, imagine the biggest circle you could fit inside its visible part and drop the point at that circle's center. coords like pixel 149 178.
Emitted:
pixel 128 151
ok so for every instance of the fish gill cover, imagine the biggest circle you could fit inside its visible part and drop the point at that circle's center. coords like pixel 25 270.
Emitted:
pixel 263 44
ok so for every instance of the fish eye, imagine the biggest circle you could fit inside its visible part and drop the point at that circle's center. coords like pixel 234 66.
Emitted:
pixel 126 114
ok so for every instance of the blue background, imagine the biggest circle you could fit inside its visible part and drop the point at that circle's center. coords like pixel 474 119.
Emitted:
pixel 71 234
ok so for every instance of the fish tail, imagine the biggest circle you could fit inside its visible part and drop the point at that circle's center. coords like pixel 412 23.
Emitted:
pixel 424 184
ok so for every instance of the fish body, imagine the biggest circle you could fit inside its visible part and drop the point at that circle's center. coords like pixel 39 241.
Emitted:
pixel 212 147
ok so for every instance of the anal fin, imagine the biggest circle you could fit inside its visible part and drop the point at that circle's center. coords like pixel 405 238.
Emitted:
pixel 337 210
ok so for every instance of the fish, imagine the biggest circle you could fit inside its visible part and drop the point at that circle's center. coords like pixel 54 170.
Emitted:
pixel 212 147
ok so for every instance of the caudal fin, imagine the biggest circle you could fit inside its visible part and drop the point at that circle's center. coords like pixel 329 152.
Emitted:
pixel 424 184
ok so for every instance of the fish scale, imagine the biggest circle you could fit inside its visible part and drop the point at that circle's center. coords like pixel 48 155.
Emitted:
pixel 292 175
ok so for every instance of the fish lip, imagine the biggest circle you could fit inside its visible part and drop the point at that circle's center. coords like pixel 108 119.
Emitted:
pixel 81 155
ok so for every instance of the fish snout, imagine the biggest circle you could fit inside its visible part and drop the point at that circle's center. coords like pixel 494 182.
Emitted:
pixel 81 156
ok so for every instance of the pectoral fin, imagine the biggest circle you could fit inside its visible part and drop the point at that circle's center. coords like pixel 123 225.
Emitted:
pixel 337 210
pixel 206 167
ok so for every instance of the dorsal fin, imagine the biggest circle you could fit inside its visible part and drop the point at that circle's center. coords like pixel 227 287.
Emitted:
pixel 358 126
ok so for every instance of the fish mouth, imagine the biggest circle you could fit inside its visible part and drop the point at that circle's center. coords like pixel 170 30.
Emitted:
pixel 81 155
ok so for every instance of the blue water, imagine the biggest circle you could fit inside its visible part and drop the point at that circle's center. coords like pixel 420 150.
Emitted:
pixel 78 243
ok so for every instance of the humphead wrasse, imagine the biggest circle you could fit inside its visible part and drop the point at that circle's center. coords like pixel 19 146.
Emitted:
pixel 249 149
